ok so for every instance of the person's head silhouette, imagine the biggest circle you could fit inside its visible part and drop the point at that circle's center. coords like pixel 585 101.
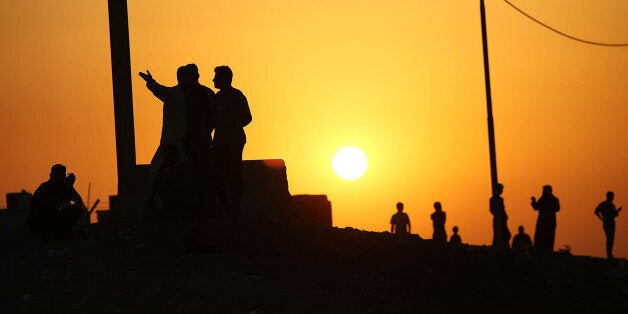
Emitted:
pixel 182 77
pixel 57 173
pixel 547 190
pixel 437 206
pixel 192 72
pixel 610 196
pixel 399 206
pixel 521 229
pixel 499 189
pixel 455 229
pixel 222 77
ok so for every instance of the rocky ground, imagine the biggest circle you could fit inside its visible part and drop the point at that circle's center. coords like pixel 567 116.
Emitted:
pixel 267 266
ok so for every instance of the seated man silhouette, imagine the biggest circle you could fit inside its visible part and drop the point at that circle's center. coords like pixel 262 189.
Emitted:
pixel 455 238
pixel 55 206
pixel 521 241
pixel 400 222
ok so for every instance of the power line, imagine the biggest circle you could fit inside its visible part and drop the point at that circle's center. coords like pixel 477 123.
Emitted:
pixel 563 34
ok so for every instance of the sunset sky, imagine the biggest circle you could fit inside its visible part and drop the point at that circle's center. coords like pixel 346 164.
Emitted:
pixel 402 80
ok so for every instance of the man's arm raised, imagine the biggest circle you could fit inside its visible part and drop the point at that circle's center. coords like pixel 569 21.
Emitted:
pixel 147 76
pixel 157 89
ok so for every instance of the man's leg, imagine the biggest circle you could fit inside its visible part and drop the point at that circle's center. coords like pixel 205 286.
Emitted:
pixel 496 233
pixel 221 177
pixel 235 176
pixel 507 235
pixel 501 234
pixel 155 164
pixel 609 230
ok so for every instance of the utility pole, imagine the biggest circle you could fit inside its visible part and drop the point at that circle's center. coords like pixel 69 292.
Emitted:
pixel 122 93
pixel 132 178
pixel 489 104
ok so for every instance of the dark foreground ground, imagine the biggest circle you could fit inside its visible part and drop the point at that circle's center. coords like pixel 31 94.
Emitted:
pixel 264 266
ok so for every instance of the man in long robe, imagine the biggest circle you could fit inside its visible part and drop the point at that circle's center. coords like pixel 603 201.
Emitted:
pixel 174 121
pixel 547 206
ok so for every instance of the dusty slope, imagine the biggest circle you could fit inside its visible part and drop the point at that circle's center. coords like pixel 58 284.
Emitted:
pixel 266 266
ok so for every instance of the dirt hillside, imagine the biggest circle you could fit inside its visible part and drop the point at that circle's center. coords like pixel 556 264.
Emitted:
pixel 249 265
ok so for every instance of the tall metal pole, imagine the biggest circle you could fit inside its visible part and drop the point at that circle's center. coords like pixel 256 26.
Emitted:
pixel 489 104
pixel 122 93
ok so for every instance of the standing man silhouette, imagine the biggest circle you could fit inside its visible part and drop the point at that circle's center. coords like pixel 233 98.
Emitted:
pixel 184 107
pixel 174 121
pixel 232 114
pixel 199 103
pixel 606 212
pixel 547 206
pixel 501 234
pixel 400 222
pixel 438 222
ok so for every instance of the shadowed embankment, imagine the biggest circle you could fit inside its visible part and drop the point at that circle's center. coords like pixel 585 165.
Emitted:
pixel 268 266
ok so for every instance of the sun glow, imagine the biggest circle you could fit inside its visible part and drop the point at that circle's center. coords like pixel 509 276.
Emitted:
pixel 349 163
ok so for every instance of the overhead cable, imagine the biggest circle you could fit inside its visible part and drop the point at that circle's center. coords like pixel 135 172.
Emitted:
pixel 566 35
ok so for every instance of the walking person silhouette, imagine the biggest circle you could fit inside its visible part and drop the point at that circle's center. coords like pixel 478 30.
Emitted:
pixel 606 212
pixel 400 222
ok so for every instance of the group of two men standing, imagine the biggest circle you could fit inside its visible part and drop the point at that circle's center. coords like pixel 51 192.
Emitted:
pixel 208 168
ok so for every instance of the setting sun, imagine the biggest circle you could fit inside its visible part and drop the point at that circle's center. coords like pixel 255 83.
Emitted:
pixel 349 163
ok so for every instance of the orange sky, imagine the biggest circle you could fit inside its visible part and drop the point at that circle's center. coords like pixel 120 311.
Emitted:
pixel 403 81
